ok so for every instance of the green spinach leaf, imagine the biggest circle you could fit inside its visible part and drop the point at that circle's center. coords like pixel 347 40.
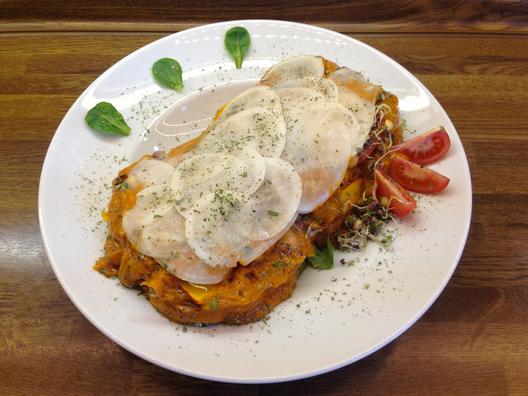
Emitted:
pixel 237 42
pixel 104 117
pixel 168 73
pixel 324 258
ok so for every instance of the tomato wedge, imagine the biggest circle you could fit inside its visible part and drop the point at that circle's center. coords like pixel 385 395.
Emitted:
pixel 400 201
pixel 417 178
pixel 428 147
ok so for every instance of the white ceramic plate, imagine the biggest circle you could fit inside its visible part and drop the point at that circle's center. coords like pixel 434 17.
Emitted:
pixel 334 317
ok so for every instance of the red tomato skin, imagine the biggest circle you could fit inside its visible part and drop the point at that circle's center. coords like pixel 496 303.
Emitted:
pixel 401 202
pixel 427 147
pixel 414 177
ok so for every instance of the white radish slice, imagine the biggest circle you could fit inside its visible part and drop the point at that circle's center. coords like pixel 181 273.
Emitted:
pixel 226 228
pixel 149 172
pixel 318 145
pixel 212 229
pixel 258 248
pixel 364 112
pixel 203 174
pixel 296 98
pixel 271 208
pixel 151 203
pixel 324 86
pixel 257 128
pixel 344 74
pixel 259 96
pixel 357 83
pixel 164 239
pixel 175 160
pixel 194 270
pixel 294 67
pixel 359 96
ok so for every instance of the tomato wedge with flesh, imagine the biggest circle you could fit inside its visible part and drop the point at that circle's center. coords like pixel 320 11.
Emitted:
pixel 417 178
pixel 400 201
pixel 428 147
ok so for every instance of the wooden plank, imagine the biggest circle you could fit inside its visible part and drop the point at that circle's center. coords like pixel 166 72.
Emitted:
pixel 345 16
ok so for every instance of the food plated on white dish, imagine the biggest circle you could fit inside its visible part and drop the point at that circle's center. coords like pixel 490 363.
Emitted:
pixel 297 159
pixel 217 229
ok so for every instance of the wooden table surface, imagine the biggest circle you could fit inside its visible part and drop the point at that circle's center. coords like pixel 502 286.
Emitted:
pixel 472 56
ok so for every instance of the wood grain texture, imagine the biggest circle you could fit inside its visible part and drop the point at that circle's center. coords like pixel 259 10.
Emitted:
pixel 345 16
pixel 473 339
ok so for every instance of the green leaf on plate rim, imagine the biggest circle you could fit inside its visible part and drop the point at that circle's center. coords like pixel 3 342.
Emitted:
pixel 237 42
pixel 104 117
pixel 168 72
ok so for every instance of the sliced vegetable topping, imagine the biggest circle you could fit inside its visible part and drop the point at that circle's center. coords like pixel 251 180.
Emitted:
pixel 428 147
pixel 392 195
pixel 415 177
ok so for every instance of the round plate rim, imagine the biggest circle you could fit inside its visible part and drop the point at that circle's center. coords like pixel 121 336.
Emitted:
pixel 253 380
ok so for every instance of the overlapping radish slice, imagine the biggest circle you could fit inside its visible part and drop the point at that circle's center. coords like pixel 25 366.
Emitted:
pixel 149 172
pixel 259 96
pixel 212 228
pixel 295 98
pixel 319 142
pixel 225 228
pixel 326 87
pixel 175 159
pixel 359 96
pixel 158 230
pixel 194 270
pixel 164 239
pixel 202 174
pixel 256 128
pixel 272 153
pixel 275 203
pixel 356 82
pixel 258 248
pixel 294 67
pixel 151 203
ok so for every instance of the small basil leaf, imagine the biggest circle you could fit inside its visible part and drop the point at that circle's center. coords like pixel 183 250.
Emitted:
pixel 237 42
pixel 104 117
pixel 168 73
pixel 324 258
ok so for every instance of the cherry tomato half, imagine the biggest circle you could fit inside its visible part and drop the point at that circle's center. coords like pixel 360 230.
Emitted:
pixel 400 201
pixel 417 178
pixel 428 147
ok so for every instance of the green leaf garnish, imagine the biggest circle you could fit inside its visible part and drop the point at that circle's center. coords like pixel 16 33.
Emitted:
pixel 237 42
pixel 168 73
pixel 104 117
pixel 273 212
pixel 324 258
